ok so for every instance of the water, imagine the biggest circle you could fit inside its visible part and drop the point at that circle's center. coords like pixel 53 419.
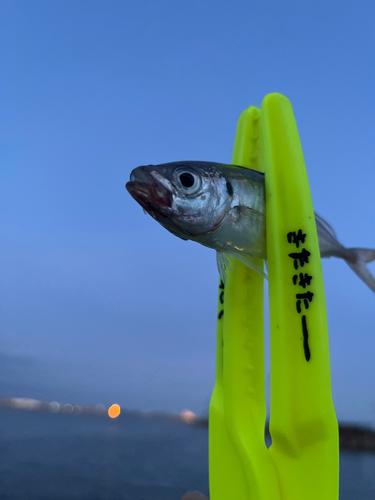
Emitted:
pixel 61 457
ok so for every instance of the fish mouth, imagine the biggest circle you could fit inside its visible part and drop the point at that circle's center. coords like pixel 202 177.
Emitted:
pixel 141 193
pixel 152 198
pixel 150 194
pixel 144 195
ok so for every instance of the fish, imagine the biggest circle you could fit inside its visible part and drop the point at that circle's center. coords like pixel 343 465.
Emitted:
pixel 222 207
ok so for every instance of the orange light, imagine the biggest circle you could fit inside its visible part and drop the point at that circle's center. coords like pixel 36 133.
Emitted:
pixel 114 411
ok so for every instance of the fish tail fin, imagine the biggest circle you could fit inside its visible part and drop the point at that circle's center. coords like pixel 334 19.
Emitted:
pixel 357 260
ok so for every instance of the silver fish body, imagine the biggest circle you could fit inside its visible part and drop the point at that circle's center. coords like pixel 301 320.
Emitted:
pixel 223 207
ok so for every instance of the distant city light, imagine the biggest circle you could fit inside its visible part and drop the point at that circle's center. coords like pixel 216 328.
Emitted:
pixel 100 409
pixel 25 403
pixel 54 406
pixel 114 411
pixel 67 408
pixel 188 416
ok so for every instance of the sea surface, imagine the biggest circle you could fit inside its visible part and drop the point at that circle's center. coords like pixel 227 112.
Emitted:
pixel 68 457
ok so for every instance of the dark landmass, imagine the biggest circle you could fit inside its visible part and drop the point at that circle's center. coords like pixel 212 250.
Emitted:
pixel 356 438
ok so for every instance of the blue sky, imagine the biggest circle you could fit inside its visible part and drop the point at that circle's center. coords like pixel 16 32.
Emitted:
pixel 98 302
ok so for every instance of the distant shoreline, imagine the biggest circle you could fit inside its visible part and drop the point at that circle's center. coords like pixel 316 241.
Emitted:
pixel 353 437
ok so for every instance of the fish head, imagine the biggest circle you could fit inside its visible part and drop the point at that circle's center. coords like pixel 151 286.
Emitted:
pixel 190 199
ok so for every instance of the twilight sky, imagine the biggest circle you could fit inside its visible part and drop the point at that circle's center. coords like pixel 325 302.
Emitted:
pixel 98 302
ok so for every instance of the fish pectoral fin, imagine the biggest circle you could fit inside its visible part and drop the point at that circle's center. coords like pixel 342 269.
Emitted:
pixel 250 262
pixel 224 261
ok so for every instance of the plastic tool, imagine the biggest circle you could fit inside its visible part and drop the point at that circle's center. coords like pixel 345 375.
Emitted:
pixel 302 462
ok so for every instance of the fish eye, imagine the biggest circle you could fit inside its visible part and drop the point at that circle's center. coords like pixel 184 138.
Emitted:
pixel 187 179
